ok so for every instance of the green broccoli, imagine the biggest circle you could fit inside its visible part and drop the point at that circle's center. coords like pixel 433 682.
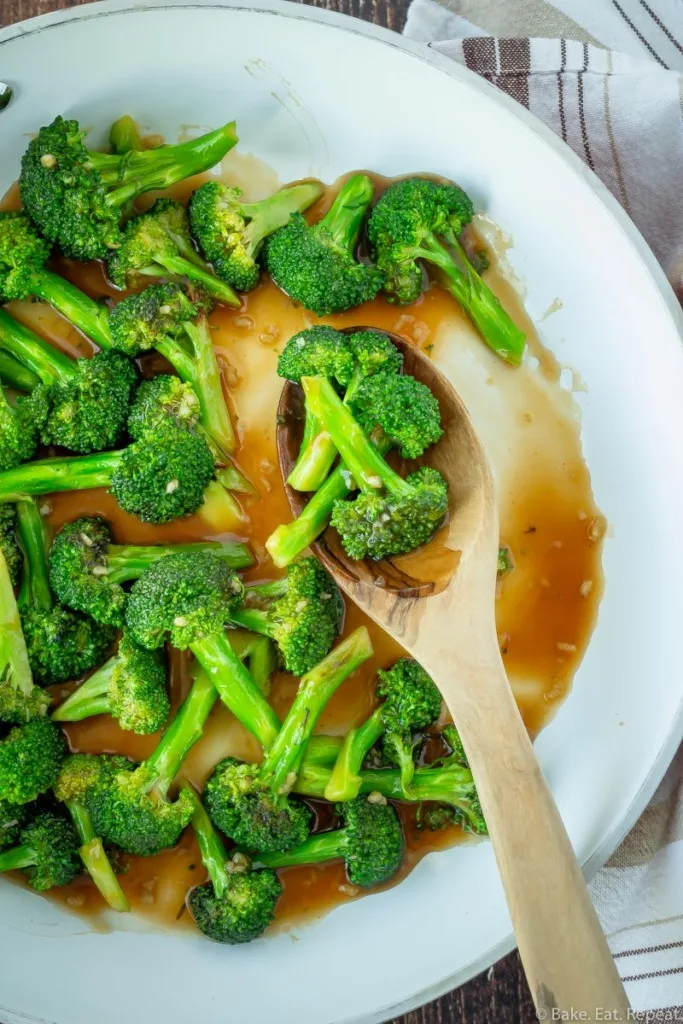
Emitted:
pixel 76 196
pixel 18 432
pixel 157 480
pixel 164 317
pixel 129 803
pixel 20 699
pixel 62 645
pixel 301 612
pixel 124 136
pixel 188 598
pixel 402 408
pixel 260 654
pixel 391 515
pixel 158 244
pixel 23 275
pixel 410 702
pixel 81 404
pixel 48 852
pixel 131 687
pixel 78 774
pixel 12 819
pixel 250 803
pixel 360 354
pixel 231 233
pixel 236 905
pixel 371 843
pixel 14 375
pixel 505 562
pixel 9 543
pixel 30 758
pixel 447 782
pixel 87 568
pixel 161 400
pixel 316 265
pixel 417 221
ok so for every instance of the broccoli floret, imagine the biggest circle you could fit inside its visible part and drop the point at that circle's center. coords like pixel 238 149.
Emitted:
pixel 373 352
pixel 402 407
pixel 76 196
pixel 160 401
pixel 163 317
pixel 124 136
pixel 79 773
pixel 23 275
pixel 316 265
pixel 158 243
pixel 9 543
pixel 47 853
pixel 87 568
pixel 317 351
pixel 302 613
pixel 61 644
pixel 390 516
pixel 157 480
pixel 30 758
pixel 410 702
pixel 80 404
pixel 129 803
pixel 418 221
pixel 131 687
pixel 231 233
pixel 18 432
pixel 371 843
pixel 236 905
pixel 12 818
pixel 20 699
pixel 250 803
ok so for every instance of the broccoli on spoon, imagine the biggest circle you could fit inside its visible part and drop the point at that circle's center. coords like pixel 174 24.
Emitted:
pixel 76 196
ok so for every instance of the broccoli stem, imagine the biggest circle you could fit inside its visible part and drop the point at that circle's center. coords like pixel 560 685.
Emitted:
pixel 35 589
pixel 287 541
pixel 483 308
pixel 95 858
pixel 206 379
pixel 79 309
pixel 452 784
pixel 369 469
pixel 180 266
pixel 344 218
pixel 236 688
pixel 252 619
pixel 17 857
pixel 316 688
pixel 91 698
pixel 75 473
pixel 345 780
pixel 47 362
pixel 14 374
pixel 14 664
pixel 325 846
pixel 268 215
pixel 318 452
pixel 128 562
pixel 259 653
pixel 214 856
pixel 139 172
pixel 124 136
pixel 184 731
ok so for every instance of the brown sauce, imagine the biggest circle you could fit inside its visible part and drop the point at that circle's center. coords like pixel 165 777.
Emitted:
pixel 546 607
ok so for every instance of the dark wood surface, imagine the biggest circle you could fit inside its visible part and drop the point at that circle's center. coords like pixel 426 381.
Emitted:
pixel 500 996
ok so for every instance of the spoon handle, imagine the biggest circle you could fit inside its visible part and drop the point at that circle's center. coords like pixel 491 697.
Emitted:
pixel 565 954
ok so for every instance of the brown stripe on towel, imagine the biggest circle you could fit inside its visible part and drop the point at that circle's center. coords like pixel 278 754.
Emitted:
pixel 480 54
pixel 653 974
pixel 658 21
pixel 640 35
pixel 560 88
pixel 582 110
pixel 514 58
pixel 649 949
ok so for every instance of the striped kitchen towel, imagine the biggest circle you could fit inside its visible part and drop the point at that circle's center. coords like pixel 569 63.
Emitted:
pixel 606 75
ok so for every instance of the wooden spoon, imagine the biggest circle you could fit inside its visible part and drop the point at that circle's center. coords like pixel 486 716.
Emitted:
pixel 439 603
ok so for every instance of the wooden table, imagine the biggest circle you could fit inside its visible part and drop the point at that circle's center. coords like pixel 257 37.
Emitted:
pixel 499 996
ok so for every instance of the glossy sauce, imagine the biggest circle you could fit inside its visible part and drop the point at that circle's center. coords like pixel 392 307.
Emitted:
pixel 546 607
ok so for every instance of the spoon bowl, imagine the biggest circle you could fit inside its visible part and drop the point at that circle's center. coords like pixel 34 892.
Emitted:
pixel 439 603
